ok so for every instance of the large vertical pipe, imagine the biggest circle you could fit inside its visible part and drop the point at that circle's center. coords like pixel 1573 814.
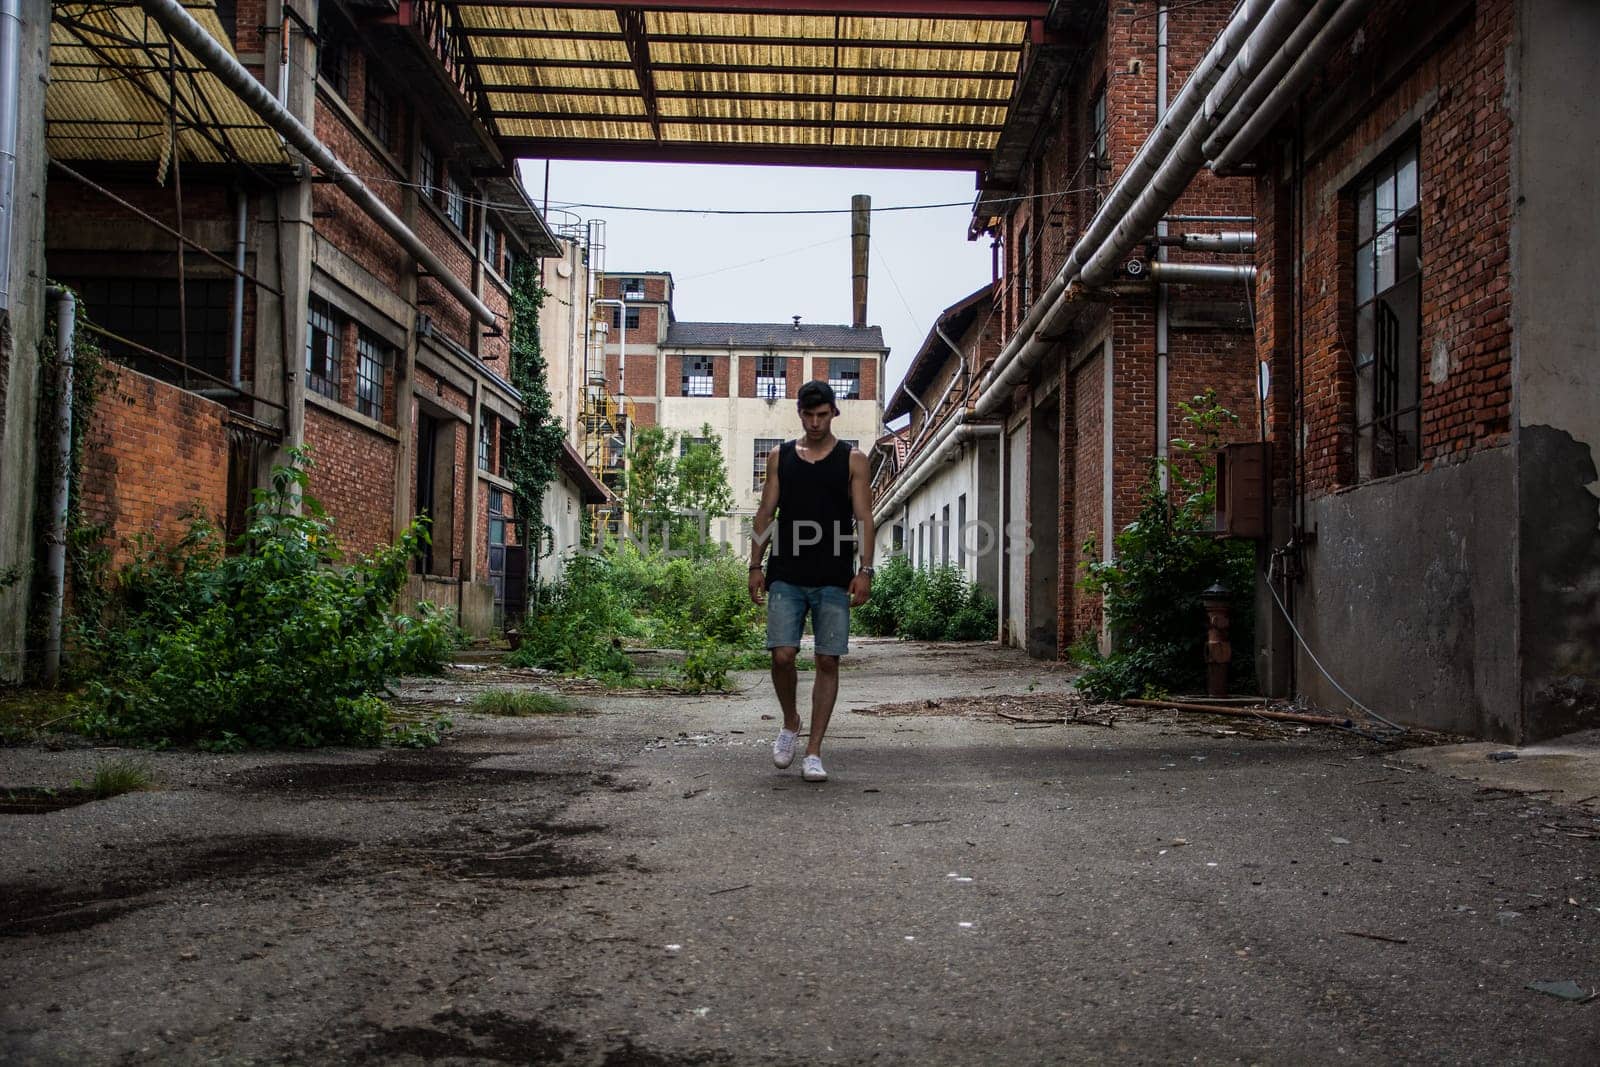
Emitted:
pixel 236 333
pixel 1162 295
pixel 55 560
pixel 860 236
pixel 10 90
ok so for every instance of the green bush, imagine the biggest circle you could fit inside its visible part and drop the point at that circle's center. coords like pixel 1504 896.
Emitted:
pixel 578 623
pixel 926 605
pixel 1163 562
pixel 275 644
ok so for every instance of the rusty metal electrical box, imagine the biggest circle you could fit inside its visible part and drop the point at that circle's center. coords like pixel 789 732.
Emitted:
pixel 1243 484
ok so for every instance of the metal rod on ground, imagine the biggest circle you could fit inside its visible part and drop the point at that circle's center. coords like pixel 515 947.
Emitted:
pixel 1244 713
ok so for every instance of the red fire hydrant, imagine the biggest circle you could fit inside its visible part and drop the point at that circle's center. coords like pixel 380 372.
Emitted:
pixel 1219 653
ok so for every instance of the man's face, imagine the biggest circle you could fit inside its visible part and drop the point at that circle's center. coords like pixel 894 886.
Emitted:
pixel 816 421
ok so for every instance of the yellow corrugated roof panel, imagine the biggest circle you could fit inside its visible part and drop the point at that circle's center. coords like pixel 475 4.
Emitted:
pixel 113 96
pixel 571 79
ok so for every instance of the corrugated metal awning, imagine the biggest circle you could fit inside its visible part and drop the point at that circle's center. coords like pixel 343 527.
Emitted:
pixel 888 83
pixel 119 92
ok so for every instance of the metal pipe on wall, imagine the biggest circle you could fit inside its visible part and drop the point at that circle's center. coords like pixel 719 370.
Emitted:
pixel 55 538
pixel 10 91
pixel 1162 297
pixel 236 333
pixel 1258 89
pixel 210 52
pixel 1202 273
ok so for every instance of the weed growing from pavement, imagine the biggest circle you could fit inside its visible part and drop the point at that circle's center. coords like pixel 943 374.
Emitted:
pixel 118 776
pixel 521 703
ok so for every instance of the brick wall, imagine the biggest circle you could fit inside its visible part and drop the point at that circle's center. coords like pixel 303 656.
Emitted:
pixel 1465 200
pixel 353 477
pixel 153 455
pixel 1088 398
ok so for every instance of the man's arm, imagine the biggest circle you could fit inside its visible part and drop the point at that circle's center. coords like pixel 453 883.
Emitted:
pixel 861 505
pixel 761 526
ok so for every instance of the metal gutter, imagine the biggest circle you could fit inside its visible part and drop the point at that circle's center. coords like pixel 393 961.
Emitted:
pixel 210 52
pixel 10 90
pixel 949 437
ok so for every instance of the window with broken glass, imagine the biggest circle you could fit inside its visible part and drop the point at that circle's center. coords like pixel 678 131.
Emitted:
pixel 697 376
pixel 770 374
pixel 324 328
pixel 378 112
pixel 763 446
pixel 455 201
pixel 844 375
pixel 1388 316
pixel 372 356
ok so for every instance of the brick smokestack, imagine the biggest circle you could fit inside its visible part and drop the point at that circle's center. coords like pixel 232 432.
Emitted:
pixel 860 227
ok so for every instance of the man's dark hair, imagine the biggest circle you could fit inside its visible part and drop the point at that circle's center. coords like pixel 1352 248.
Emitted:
pixel 814 393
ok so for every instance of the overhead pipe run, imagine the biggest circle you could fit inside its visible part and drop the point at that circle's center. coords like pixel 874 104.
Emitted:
pixel 1025 347
pixel 1276 67
pixel 1227 241
pixel 1199 273
pixel 210 52
pixel 1258 41
pixel 950 437
pixel 1288 89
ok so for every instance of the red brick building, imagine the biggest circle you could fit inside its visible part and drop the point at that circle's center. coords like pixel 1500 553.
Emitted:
pixel 1434 375
pixel 298 310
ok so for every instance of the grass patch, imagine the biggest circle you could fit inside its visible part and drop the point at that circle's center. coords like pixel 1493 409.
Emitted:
pixel 521 703
pixel 24 712
pixel 760 660
pixel 118 776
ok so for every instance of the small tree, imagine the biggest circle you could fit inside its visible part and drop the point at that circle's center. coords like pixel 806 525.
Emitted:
pixel 702 492
pixel 649 484
pixel 1164 560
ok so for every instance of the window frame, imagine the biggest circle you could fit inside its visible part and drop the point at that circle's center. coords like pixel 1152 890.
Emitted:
pixel 376 98
pixel 770 385
pixel 692 384
pixel 371 350
pixel 845 380
pixel 1371 297
pixel 761 448
pixel 327 381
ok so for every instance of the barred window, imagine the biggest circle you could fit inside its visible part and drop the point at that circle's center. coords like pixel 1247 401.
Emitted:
pixel 372 356
pixel 763 446
pixel 485 441
pixel 770 373
pixel 324 330
pixel 379 113
pixel 844 375
pixel 1388 314
pixel 455 201
pixel 146 312
pixel 428 171
pixel 697 380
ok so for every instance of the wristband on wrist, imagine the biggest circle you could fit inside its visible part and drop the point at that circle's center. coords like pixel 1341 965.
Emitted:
pixel 757 566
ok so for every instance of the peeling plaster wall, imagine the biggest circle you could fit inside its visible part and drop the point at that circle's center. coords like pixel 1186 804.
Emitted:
pixel 1409 597
pixel 1556 323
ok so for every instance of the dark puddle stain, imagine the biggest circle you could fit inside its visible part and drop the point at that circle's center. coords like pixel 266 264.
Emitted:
pixel 38 910
pixel 406 775
pixel 526 857
pixel 494 1036
pixel 41 801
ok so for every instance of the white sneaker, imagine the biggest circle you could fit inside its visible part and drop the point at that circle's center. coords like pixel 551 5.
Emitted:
pixel 811 769
pixel 783 749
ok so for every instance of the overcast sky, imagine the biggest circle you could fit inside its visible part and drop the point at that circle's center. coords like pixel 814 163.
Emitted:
pixel 766 268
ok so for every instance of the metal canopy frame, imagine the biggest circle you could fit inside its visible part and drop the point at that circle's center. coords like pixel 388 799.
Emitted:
pixel 885 83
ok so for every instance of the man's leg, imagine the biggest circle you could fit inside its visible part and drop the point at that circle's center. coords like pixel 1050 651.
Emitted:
pixel 824 690
pixel 784 676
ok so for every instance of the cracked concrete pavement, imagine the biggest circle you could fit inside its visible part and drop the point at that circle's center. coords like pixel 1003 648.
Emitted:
pixel 636 884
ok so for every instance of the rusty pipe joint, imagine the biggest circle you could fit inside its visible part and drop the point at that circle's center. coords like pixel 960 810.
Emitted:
pixel 1219 652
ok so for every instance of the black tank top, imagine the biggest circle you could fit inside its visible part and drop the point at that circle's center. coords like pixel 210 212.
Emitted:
pixel 813 537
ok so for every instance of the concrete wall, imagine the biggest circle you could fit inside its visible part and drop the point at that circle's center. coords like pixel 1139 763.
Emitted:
pixel 1409 597
pixel 563 334
pixel 21 328
pixel 1556 360
pixel 472 602
pixel 563 513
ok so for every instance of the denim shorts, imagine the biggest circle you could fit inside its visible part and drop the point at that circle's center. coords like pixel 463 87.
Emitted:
pixel 830 616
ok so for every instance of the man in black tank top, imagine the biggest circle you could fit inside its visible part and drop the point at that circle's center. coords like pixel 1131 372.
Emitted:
pixel 816 510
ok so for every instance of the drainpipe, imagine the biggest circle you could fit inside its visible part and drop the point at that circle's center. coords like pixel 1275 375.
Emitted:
pixel 1310 63
pixel 209 51
pixel 1162 312
pixel 10 88
pixel 55 538
pixel 236 336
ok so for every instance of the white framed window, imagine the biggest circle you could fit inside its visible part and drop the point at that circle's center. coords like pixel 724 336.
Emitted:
pixel 762 447
pixel 697 376
pixel 844 375
pixel 770 374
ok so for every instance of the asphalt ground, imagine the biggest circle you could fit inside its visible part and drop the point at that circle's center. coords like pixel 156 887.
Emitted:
pixel 978 883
